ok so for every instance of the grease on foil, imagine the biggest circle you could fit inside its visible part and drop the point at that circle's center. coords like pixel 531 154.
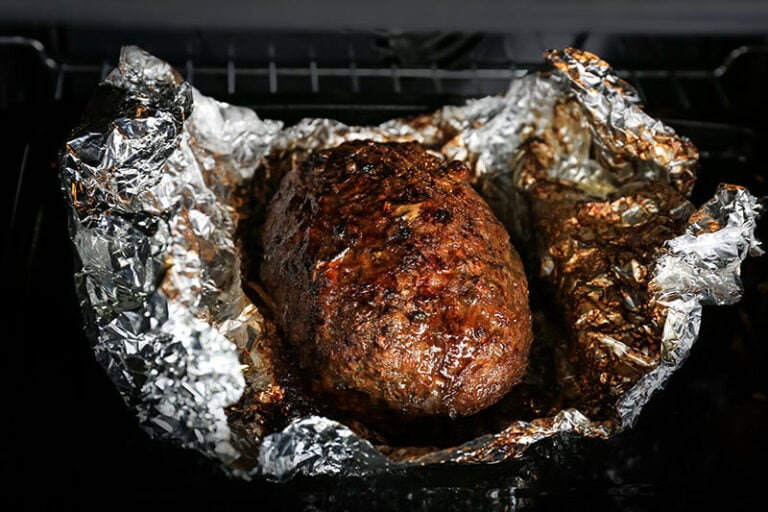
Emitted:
pixel 151 185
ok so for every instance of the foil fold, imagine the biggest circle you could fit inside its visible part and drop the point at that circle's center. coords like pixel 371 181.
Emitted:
pixel 158 275
pixel 315 445
pixel 701 267
pixel 154 178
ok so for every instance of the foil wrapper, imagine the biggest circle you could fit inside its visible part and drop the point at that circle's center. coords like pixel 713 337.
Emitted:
pixel 162 182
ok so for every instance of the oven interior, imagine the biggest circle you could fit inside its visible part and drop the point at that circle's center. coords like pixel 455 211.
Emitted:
pixel 707 432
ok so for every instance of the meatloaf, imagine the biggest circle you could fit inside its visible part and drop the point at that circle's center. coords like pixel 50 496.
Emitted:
pixel 395 284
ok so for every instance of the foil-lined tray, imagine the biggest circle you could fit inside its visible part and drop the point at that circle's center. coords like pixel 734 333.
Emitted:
pixel 167 190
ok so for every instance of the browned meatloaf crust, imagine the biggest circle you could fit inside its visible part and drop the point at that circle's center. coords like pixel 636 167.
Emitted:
pixel 395 283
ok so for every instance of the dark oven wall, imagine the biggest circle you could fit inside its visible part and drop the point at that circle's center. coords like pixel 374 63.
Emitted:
pixel 706 431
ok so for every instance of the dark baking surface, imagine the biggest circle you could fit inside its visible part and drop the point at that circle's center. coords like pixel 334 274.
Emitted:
pixel 702 440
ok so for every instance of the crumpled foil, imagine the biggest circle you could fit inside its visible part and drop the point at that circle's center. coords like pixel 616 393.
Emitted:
pixel 159 277
pixel 158 177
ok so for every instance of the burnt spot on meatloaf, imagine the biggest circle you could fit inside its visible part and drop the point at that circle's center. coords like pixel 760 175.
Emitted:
pixel 394 283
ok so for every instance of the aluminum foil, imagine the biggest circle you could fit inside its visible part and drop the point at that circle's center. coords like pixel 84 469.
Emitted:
pixel 160 181
pixel 159 280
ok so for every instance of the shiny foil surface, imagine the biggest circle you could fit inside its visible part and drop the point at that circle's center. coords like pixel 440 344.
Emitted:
pixel 162 182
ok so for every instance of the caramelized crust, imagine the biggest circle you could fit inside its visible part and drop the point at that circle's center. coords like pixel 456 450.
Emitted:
pixel 395 283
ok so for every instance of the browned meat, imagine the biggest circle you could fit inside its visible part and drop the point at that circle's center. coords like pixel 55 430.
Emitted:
pixel 395 283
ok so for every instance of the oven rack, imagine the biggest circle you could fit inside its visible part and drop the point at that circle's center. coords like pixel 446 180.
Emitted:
pixel 432 79
pixel 692 98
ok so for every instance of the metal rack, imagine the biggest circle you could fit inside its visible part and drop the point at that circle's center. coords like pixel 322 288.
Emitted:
pixel 468 80
pixel 367 78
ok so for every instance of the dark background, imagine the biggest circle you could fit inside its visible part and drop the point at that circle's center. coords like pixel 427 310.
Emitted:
pixel 699 442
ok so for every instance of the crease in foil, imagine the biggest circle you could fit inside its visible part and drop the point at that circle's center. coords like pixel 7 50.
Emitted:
pixel 159 275
pixel 316 445
pixel 151 187
pixel 698 268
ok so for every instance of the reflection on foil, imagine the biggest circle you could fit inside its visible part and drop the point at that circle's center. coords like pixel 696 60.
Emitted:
pixel 158 271
pixel 155 175
pixel 318 446
pixel 697 268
